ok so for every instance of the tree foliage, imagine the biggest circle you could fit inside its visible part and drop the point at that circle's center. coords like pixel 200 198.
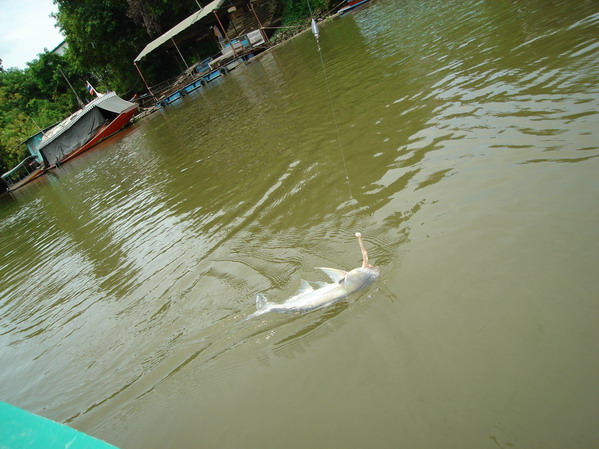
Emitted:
pixel 35 96
pixel 295 11
pixel 101 38
pixel 297 15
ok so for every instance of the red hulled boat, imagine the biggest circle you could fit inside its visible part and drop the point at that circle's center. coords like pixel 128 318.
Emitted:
pixel 99 119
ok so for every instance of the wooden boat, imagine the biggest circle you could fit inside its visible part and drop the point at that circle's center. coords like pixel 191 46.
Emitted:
pixel 87 127
pixel 25 171
pixel 105 131
pixel 98 120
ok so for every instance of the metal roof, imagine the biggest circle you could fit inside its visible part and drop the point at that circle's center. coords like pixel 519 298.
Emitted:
pixel 181 26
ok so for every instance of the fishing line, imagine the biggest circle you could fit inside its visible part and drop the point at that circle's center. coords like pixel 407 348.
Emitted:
pixel 316 33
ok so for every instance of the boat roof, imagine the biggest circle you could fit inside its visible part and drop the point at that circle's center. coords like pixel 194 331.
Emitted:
pixel 110 101
pixel 180 27
pixel 16 167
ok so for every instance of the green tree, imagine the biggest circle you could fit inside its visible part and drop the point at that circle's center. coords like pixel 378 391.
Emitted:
pixel 101 38
pixel 37 95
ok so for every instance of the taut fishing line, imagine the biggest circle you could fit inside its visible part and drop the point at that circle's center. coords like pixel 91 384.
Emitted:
pixel 316 33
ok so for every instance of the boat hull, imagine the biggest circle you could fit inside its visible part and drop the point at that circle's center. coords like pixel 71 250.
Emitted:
pixel 76 134
pixel 27 179
pixel 103 133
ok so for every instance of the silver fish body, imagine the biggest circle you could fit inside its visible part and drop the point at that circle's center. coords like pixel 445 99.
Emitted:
pixel 308 298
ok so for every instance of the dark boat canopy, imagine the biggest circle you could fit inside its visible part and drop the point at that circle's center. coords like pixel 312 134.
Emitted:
pixel 77 129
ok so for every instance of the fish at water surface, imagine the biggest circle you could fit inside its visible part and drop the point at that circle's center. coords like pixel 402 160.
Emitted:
pixel 308 298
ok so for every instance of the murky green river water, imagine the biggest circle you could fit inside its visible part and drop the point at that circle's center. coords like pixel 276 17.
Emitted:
pixel 470 134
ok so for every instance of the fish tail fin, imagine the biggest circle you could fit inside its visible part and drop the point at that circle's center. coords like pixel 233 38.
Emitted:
pixel 261 302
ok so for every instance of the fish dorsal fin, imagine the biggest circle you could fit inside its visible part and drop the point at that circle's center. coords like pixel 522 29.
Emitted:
pixel 335 274
pixel 304 287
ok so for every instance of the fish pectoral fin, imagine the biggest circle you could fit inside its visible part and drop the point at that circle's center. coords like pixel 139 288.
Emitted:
pixel 304 287
pixel 335 274
pixel 261 302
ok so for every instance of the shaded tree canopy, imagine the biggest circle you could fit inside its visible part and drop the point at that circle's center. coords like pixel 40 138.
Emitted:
pixel 35 96
pixel 142 15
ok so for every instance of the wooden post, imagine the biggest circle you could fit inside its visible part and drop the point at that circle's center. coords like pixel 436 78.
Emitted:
pixel 179 51
pixel 144 80
pixel 233 22
pixel 225 33
pixel 251 4
pixel 81 104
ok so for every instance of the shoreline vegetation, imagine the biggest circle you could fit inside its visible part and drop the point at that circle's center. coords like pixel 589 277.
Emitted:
pixel 103 39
